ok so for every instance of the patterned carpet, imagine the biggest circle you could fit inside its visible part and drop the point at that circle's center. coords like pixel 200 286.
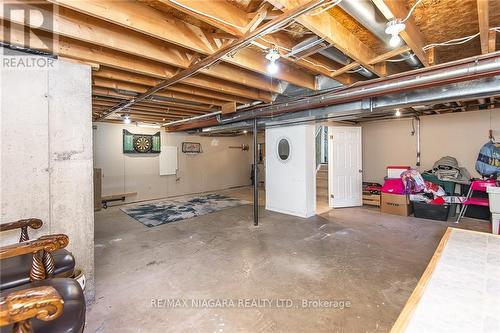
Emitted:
pixel 158 213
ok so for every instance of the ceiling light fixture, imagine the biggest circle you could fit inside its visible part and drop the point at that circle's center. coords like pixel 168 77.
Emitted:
pixel 398 113
pixel 393 28
pixel 126 119
pixel 272 55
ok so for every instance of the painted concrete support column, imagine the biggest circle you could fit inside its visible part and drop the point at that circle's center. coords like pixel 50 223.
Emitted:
pixel 290 172
pixel 46 156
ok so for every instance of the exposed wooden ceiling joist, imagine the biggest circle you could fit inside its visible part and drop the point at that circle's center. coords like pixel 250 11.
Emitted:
pixel 484 24
pixel 70 48
pixel 229 49
pixel 128 86
pixel 114 74
pixel 117 96
pixel 325 26
pixel 149 21
pixel 73 25
pixel 411 34
pixel 235 21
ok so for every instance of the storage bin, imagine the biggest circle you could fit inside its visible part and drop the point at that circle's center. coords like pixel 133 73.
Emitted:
pixel 432 212
pixel 448 187
pixel 395 171
pixel 494 196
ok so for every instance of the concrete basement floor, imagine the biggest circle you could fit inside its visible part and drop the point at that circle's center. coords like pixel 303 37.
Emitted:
pixel 370 259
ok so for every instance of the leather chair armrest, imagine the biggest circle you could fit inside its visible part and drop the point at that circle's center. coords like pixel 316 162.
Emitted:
pixel 19 307
pixel 49 243
pixel 23 225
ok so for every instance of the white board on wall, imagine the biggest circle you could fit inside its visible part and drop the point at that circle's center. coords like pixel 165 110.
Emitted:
pixel 168 160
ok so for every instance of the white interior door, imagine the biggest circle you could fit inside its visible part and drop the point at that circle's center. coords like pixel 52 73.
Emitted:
pixel 344 166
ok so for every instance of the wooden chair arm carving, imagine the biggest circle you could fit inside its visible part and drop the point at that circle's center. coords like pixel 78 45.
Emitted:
pixel 43 265
pixel 23 225
pixel 48 243
pixel 19 307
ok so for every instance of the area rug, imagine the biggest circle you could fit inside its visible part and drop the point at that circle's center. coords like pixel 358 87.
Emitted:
pixel 158 213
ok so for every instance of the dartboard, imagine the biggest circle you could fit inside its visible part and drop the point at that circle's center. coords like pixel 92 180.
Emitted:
pixel 142 144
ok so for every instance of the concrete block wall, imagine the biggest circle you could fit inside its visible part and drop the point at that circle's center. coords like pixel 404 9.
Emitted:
pixel 46 157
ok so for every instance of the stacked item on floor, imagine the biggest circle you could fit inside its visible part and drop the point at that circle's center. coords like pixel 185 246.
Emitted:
pixel 371 193
pixel 430 201
pixel 494 196
pixel 447 173
pixel 394 199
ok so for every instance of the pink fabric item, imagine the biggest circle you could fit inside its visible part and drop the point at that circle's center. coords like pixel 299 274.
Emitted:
pixel 394 186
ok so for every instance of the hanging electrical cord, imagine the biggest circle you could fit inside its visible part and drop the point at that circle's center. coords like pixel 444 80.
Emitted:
pixel 457 41
pixel 411 11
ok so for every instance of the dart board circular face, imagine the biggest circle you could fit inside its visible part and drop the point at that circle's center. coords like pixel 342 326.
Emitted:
pixel 142 144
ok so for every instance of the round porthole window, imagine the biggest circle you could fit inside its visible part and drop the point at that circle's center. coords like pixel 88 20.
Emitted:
pixel 284 149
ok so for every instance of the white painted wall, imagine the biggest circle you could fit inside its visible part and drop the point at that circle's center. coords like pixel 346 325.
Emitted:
pixel 291 185
pixel 455 134
pixel 217 167
pixel 46 156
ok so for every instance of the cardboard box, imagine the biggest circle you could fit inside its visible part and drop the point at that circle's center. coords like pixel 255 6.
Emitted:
pixel 396 204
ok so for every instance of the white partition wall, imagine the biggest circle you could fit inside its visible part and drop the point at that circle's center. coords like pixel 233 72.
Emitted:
pixel 290 170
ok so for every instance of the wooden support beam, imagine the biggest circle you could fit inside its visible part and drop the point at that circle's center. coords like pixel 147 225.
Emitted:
pixel 70 48
pixel 148 21
pixel 117 97
pixel 411 35
pixel 230 49
pixel 225 17
pixel 150 110
pixel 210 12
pixel 389 55
pixel 328 28
pixel 228 108
pixel 432 56
pixel 492 41
pixel 484 24
pixel 137 88
pixel 153 109
pixel 114 74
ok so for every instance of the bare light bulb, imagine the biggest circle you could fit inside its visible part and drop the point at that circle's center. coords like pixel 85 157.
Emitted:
pixel 126 119
pixel 394 41
pixel 272 67
pixel 398 113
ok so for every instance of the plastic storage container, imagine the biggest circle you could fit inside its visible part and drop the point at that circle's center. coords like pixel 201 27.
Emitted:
pixel 395 171
pixel 494 196
pixel 448 187
pixel 429 211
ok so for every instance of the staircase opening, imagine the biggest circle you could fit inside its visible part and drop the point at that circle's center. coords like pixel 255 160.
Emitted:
pixel 321 143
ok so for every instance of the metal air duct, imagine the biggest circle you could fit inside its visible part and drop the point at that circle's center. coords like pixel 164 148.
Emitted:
pixel 367 14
